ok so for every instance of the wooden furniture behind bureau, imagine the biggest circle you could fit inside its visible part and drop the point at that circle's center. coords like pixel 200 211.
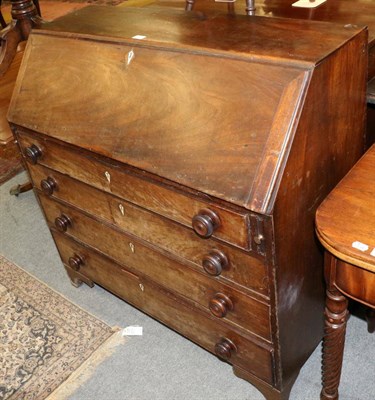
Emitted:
pixel 10 157
pixel 179 159
pixel 349 238
pixel 25 16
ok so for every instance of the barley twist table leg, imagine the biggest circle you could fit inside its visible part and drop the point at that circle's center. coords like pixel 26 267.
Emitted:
pixel 336 315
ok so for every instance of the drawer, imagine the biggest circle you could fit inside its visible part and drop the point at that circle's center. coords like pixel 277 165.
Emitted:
pixel 355 282
pixel 241 268
pixel 110 176
pixel 224 301
pixel 170 309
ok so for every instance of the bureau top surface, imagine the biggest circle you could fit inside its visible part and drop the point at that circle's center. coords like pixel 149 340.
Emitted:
pixel 350 233
pixel 290 40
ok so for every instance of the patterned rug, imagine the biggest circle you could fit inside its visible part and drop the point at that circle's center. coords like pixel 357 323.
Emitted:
pixel 44 338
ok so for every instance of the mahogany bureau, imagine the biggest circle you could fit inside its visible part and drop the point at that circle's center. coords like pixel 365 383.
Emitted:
pixel 179 160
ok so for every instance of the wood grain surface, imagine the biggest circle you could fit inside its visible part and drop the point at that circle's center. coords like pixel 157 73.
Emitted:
pixel 343 12
pixel 243 270
pixel 354 197
pixel 134 187
pixel 267 38
pixel 247 314
pixel 273 120
pixel 188 129
pixel 340 12
pixel 326 145
pixel 172 310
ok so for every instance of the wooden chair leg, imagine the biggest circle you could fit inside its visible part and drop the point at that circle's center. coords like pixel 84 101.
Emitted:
pixel 336 315
pixel 10 37
pixel 3 24
pixel 16 190
pixel 24 18
pixel 37 6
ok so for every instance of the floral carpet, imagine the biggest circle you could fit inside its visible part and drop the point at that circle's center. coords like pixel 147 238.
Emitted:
pixel 43 336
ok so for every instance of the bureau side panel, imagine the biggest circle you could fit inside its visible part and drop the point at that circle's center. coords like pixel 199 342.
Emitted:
pixel 328 141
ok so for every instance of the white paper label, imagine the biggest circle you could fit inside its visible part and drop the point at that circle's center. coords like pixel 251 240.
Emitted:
pixel 360 246
pixel 139 37
pixel 372 253
pixel 308 3
pixel 132 331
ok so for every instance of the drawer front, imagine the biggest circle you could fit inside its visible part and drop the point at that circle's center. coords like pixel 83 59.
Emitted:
pixel 224 301
pixel 172 310
pixel 171 236
pixel 233 227
pixel 355 282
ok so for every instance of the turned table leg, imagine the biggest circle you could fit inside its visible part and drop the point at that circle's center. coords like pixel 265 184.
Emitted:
pixel 336 315
pixel 24 18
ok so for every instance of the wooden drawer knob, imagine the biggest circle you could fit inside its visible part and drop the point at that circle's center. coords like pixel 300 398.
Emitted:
pixel 214 262
pixel 225 348
pixel 48 185
pixel 76 262
pixel 33 153
pixel 63 222
pixel 220 304
pixel 205 223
